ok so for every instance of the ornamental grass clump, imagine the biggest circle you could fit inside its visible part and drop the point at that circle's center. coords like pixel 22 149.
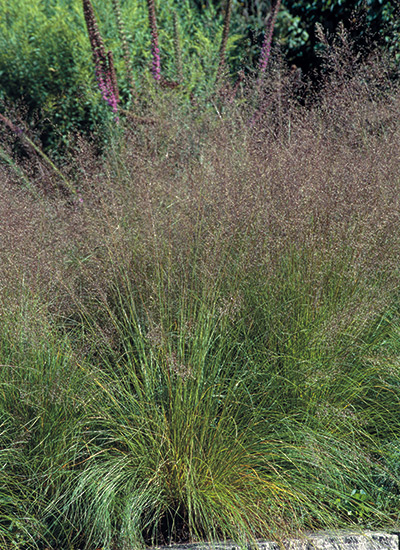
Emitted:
pixel 41 439
pixel 224 320
pixel 240 304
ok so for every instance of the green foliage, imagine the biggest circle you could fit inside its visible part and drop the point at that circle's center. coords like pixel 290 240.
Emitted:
pixel 295 27
pixel 358 504
pixel 46 65
pixel 371 20
pixel 40 438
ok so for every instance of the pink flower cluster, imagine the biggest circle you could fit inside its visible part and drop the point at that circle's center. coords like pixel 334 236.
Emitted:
pixel 156 66
pixel 107 83
pixel 104 63
pixel 155 50
pixel 266 47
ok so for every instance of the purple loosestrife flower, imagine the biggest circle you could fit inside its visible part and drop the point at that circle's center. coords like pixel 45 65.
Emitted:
pixel 125 47
pixel 155 50
pixel 156 66
pixel 103 63
pixel 113 86
pixel 266 47
pixel 224 41
pixel 96 42
pixel 107 92
pixel 265 53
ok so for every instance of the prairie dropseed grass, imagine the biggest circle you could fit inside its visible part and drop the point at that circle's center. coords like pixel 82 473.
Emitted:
pixel 206 347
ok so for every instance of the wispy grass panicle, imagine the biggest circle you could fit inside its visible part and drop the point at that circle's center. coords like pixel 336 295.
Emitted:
pixel 21 133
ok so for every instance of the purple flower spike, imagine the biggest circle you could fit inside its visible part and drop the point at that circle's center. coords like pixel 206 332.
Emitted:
pixel 156 67
pixel 103 62
pixel 155 50
pixel 266 47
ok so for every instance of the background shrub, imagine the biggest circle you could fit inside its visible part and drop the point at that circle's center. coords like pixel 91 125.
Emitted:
pixel 46 66
pixel 46 63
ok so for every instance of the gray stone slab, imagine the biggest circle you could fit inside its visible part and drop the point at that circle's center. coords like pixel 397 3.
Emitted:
pixel 316 541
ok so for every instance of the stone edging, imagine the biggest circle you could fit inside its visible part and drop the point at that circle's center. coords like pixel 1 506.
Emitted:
pixel 316 541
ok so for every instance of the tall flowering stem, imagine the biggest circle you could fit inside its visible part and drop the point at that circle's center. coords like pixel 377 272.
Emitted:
pixel 177 48
pixel 103 62
pixel 155 50
pixel 125 48
pixel 265 54
pixel 224 41
pixel 112 82
pixel 266 47
pixel 32 145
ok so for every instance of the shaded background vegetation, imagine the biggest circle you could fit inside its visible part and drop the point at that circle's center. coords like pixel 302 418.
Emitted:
pixel 370 21
pixel 45 58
